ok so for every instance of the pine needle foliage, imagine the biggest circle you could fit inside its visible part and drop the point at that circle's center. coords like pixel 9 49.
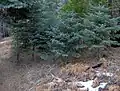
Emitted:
pixel 99 22
pixel 67 40
pixel 94 30
pixel 32 33
pixel 54 33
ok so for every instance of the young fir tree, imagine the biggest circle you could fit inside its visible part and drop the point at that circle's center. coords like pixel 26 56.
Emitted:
pixel 75 33
pixel 33 32
pixel 21 36
pixel 42 18
pixel 102 27
pixel 66 34
pixel 67 40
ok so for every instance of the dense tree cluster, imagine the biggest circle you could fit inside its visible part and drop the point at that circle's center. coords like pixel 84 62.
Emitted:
pixel 41 26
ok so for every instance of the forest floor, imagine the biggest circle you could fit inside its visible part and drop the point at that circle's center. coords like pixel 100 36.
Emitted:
pixel 45 76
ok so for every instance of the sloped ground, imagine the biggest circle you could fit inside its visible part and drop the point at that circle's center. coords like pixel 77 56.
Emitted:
pixel 44 76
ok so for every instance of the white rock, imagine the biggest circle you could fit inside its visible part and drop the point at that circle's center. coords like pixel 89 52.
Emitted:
pixel 88 85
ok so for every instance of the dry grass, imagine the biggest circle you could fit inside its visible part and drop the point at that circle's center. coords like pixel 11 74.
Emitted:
pixel 75 68
pixel 5 48
pixel 17 78
pixel 114 88
pixel 42 88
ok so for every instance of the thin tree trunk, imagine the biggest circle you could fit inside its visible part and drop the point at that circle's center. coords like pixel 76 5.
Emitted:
pixel 33 53
pixel 18 55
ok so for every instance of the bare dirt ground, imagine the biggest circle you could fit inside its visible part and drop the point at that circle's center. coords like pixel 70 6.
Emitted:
pixel 30 76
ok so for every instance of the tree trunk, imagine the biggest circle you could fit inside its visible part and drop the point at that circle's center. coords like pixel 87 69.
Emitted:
pixel 18 55
pixel 33 53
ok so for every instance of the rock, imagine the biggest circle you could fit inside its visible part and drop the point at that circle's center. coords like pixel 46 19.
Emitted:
pixel 83 89
pixel 114 88
pixel 75 85
pixel 79 85
pixel 95 83
pixel 103 89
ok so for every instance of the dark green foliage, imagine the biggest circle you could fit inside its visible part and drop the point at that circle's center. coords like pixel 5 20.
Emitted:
pixel 100 1
pixel 32 32
pixel 41 20
pixel 100 23
pixel 12 4
pixel 21 34
pixel 47 31
pixel 95 30
pixel 67 41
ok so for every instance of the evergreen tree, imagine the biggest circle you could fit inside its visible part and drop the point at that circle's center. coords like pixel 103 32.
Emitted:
pixel 67 41
pixel 102 26
pixel 50 32
pixel 75 33
pixel 33 32
pixel 42 18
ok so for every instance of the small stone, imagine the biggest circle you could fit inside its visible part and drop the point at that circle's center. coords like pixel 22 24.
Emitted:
pixel 103 89
pixel 96 83
pixel 79 85
pixel 83 89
